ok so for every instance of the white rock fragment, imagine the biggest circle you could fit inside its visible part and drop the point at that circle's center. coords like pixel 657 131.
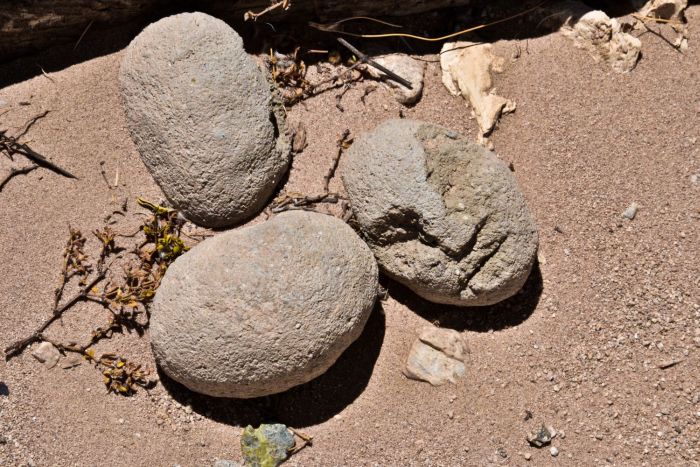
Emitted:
pixel 466 70
pixel 437 356
pixel 603 38
pixel 631 211
pixel 47 354
pixel 406 67
pixel 594 31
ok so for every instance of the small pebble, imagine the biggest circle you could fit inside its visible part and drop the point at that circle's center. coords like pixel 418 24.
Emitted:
pixel 554 451
pixel 631 211
pixel 527 456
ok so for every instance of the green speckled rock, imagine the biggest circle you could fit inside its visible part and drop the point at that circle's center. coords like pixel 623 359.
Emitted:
pixel 266 446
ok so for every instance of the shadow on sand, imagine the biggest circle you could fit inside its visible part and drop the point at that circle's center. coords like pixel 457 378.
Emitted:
pixel 506 314
pixel 285 36
pixel 327 395
pixel 302 406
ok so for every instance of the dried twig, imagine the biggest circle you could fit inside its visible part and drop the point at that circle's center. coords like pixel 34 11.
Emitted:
pixel 17 171
pixel 126 301
pixel 30 123
pixel 368 90
pixel 662 37
pixel 344 142
pixel 104 174
pixel 339 97
pixel 333 28
pixel 46 75
pixel 252 16
pixel 364 58
pixel 291 201
pixel 83 34
pixel 18 347
pixel 656 20
pixel 11 146
pixel 670 364
pixel 306 440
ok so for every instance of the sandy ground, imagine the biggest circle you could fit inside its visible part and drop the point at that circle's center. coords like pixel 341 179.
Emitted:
pixel 579 349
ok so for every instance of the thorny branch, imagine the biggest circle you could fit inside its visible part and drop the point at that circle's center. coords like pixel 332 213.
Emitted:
pixel 17 171
pixel 11 146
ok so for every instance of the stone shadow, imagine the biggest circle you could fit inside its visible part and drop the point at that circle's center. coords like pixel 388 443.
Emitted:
pixel 503 315
pixel 309 404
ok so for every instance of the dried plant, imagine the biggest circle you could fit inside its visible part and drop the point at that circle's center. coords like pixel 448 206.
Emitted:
pixel 125 295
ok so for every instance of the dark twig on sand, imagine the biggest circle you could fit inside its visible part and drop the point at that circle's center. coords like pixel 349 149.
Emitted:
pixel 662 37
pixel 288 202
pixel 14 172
pixel 26 151
pixel 344 142
pixel 10 145
pixel 19 346
pixel 365 59
pixel 339 97
pixel 291 201
pixel 30 123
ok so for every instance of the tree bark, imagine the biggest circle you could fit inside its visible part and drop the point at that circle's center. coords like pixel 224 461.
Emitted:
pixel 30 25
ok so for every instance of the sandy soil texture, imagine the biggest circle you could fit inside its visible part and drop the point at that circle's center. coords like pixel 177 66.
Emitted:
pixel 584 348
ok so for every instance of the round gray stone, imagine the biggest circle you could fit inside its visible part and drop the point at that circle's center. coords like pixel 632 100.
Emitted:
pixel 258 310
pixel 442 215
pixel 204 118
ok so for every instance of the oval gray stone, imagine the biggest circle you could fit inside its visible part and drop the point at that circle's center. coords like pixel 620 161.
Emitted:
pixel 204 119
pixel 442 215
pixel 258 310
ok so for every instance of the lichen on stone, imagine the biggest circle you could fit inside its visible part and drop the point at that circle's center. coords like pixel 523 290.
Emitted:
pixel 267 445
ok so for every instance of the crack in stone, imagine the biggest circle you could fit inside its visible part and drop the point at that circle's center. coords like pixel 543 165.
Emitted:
pixel 482 262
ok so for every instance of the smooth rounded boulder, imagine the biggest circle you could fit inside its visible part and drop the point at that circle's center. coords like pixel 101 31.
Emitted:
pixel 203 118
pixel 258 310
pixel 443 215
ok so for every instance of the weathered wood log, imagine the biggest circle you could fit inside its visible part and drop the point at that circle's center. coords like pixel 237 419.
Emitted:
pixel 31 25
